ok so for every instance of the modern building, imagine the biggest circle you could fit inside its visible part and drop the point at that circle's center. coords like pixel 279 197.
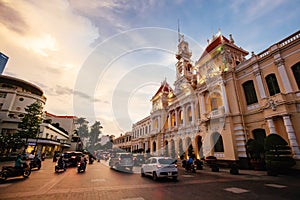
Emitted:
pixel 69 124
pixel 224 99
pixel 49 141
pixel 15 96
pixel 3 61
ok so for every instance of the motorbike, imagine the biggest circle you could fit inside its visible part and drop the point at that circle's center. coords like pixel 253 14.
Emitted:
pixel 10 171
pixel 36 163
pixel 191 167
pixel 43 157
pixel 60 167
pixel 81 166
pixel 91 160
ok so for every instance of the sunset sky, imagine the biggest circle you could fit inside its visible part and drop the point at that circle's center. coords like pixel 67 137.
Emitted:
pixel 105 59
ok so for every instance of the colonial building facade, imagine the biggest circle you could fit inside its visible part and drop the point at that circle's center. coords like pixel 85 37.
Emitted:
pixel 224 99
pixel 124 142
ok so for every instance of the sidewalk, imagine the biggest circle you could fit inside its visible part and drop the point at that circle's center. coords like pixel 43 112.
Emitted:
pixel 243 173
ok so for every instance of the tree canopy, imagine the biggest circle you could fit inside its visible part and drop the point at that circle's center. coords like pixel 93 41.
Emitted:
pixel 30 124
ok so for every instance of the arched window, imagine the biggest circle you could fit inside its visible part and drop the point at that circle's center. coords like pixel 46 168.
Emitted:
pixel 180 117
pixel 167 122
pixel 154 146
pixel 218 142
pixel 173 120
pixel 155 124
pixel 189 112
pixel 198 110
pixel 215 101
pixel 249 92
pixel 272 84
pixel 296 72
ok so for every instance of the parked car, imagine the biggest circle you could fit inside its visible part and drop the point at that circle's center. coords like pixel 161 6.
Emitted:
pixel 121 161
pixel 160 167
pixel 138 159
pixel 71 158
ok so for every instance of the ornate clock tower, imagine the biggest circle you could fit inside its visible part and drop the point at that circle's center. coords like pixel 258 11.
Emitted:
pixel 184 67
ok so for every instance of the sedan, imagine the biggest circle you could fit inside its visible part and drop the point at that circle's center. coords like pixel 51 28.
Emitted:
pixel 160 167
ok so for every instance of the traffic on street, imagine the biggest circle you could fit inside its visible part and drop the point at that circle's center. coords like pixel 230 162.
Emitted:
pixel 100 181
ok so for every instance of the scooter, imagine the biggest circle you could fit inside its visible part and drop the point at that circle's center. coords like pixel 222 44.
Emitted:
pixel 60 167
pixel 191 167
pixel 81 166
pixel 10 171
pixel 43 157
pixel 36 163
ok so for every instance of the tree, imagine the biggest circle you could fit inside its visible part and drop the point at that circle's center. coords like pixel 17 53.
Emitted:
pixel 57 125
pixel 10 143
pixel 30 124
pixel 255 151
pixel 278 155
pixel 94 135
pixel 82 131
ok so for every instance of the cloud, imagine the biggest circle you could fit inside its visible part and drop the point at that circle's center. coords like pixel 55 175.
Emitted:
pixel 256 9
pixel 12 19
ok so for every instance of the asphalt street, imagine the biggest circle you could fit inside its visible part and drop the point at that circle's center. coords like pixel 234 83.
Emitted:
pixel 101 182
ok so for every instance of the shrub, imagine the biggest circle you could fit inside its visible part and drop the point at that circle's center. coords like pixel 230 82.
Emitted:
pixel 278 155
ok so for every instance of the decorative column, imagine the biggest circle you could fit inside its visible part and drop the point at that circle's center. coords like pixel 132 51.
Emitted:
pixel 202 105
pixel 176 118
pixel 183 116
pixel 169 120
pixel 194 145
pixel 176 144
pixel 283 75
pixel 151 121
pixel 158 123
pixel 261 89
pixel 193 112
pixel 224 98
pixel 292 137
pixel 271 126
pixel 146 145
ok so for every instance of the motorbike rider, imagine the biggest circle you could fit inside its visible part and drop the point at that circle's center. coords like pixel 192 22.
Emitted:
pixel 31 155
pixel 61 162
pixel 19 163
pixel 83 159
pixel 43 156
pixel 189 162
pixel 36 159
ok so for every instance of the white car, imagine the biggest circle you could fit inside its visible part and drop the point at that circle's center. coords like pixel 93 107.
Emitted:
pixel 159 167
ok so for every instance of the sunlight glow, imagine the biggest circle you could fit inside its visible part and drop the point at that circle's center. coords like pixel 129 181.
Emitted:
pixel 42 44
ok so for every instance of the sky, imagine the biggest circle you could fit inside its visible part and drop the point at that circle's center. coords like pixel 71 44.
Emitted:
pixel 105 59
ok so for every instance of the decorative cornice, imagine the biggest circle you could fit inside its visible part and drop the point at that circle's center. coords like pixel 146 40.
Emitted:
pixel 279 62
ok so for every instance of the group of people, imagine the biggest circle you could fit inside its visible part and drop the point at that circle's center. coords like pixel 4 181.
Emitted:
pixel 19 162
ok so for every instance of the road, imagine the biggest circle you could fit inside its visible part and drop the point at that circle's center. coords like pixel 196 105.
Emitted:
pixel 101 182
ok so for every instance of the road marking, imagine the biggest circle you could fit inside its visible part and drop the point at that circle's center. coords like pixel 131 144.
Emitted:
pixel 98 180
pixel 275 185
pixel 134 198
pixel 188 176
pixel 51 190
pixel 236 190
